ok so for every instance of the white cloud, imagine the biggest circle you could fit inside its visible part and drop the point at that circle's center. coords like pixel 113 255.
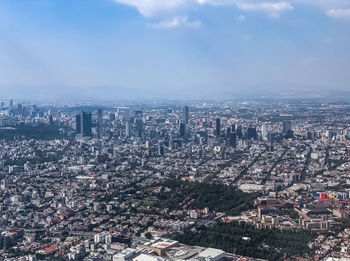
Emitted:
pixel 325 4
pixel 271 8
pixel 153 7
pixel 176 22
pixel 340 13
pixel 241 18
pixel 149 8
pixel 216 2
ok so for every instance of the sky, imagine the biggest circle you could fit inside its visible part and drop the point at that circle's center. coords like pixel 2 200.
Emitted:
pixel 172 49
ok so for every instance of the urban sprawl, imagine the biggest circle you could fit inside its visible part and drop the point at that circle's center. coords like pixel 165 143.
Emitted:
pixel 196 181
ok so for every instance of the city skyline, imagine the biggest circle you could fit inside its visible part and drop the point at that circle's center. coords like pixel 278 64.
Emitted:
pixel 234 181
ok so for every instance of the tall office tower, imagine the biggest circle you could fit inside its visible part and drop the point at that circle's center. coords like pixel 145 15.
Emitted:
pixel 182 130
pixel 218 127
pixel 251 133
pixel 239 131
pixel 127 115
pixel 99 124
pixel 50 120
pixel 287 126
pixel 83 123
pixel 331 134
pixel 233 139
pixel 127 129
pixel 170 140
pixel 266 130
pixel 287 130
pixel 160 149
pixel 139 127
pixel 19 108
pixel 228 131
pixel 87 124
pixel 233 128
pixel 11 103
pixel 185 113
pixel 78 124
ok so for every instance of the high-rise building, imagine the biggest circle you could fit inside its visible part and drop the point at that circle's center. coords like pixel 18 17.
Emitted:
pixel 127 129
pixel 160 149
pixel 233 128
pixel 50 120
pixel 83 123
pixel 127 115
pixel 233 139
pixel 266 130
pixel 78 124
pixel 239 131
pixel 228 131
pixel 99 124
pixel 251 133
pixel 185 113
pixel 182 130
pixel 218 127
pixel 287 126
pixel 19 108
pixel 287 129
pixel 139 127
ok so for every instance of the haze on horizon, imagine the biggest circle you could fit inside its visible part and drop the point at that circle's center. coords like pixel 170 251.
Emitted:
pixel 105 49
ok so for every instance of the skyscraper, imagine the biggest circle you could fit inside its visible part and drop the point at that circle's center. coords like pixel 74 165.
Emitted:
pixel 218 127
pixel 83 123
pixel 99 124
pixel 160 149
pixel 50 120
pixel 287 129
pixel 233 128
pixel 233 139
pixel 185 113
pixel 251 133
pixel 265 131
pixel 127 115
pixel 287 126
pixel 127 129
pixel 239 131
pixel 139 127
pixel 182 130
pixel 228 131
pixel 78 124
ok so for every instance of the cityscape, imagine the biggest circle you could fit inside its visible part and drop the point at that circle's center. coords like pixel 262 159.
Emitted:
pixel 249 180
pixel 174 130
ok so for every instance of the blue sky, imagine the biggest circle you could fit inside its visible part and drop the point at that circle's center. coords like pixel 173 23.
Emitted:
pixel 115 49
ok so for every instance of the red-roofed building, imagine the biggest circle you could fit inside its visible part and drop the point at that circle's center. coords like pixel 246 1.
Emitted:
pixel 48 250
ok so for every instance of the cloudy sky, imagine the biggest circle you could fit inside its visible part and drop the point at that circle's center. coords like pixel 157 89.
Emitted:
pixel 115 49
